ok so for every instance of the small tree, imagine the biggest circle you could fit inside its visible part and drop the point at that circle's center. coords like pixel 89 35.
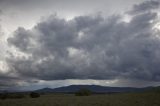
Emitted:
pixel 34 95
pixel 83 92
pixel 3 96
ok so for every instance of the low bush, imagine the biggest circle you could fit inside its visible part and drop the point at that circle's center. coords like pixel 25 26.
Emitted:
pixel 11 96
pixel 34 95
pixel 83 92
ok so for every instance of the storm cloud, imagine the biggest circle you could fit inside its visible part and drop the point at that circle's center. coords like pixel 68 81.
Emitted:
pixel 90 47
pixel 145 6
pixel 111 50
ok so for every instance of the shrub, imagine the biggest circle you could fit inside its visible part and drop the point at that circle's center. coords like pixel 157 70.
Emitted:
pixel 11 96
pixel 4 96
pixel 34 95
pixel 83 92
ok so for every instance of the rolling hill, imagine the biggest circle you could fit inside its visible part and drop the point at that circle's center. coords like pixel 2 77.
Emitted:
pixel 93 88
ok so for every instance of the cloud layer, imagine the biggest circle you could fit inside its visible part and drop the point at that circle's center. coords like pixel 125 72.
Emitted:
pixel 89 47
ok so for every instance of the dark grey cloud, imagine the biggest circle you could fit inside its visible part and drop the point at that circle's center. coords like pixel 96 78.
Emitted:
pixel 90 47
pixel 145 6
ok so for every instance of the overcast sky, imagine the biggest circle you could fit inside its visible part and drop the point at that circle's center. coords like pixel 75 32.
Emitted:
pixel 51 43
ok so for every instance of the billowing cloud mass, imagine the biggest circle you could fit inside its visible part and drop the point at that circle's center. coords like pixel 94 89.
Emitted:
pixel 88 47
pixel 145 6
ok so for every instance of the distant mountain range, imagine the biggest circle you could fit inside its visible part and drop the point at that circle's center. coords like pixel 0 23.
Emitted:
pixel 93 88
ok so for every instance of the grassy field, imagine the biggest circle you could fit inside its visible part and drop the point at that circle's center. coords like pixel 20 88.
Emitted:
pixel 123 99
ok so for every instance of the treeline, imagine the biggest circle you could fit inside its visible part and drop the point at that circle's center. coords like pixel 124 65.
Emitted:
pixel 6 95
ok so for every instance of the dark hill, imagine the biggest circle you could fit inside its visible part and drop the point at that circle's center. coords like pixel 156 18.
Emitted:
pixel 93 88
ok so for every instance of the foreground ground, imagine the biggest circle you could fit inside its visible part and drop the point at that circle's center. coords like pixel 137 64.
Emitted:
pixel 126 99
